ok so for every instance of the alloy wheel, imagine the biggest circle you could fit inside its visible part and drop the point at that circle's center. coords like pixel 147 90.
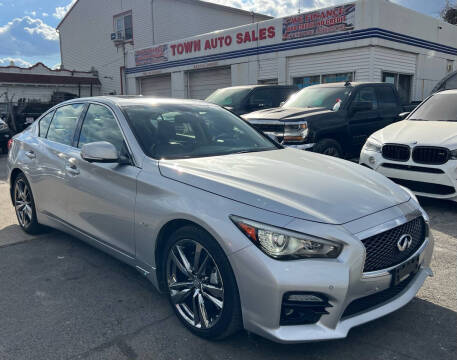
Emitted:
pixel 23 203
pixel 331 151
pixel 195 284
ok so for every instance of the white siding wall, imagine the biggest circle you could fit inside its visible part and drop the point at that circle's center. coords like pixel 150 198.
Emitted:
pixel 351 60
pixel 393 61
pixel 85 33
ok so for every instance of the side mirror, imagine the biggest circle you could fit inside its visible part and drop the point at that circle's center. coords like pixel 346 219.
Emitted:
pixel 403 115
pixel 361 106
pixel 100 151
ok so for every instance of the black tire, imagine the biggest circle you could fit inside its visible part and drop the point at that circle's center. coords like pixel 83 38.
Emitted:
pixel 230 319
pixel 32 226
pixel 329 147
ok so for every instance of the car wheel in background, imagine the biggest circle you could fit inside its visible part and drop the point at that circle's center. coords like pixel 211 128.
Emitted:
pixel 24 205
pixel 201 285
pixel 329 147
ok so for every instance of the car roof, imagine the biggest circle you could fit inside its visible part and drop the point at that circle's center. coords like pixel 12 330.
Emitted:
pixel 351 83
pixel 241 87
pixel 123 100
pixel 447 92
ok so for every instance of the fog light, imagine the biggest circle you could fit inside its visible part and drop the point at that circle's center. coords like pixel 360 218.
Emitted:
pixel 305 298
pixel 372 160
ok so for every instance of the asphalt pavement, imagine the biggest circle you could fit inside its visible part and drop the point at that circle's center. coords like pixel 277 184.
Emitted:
pixel 62 299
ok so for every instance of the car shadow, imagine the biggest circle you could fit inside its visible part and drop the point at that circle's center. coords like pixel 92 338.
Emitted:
pixel 442 214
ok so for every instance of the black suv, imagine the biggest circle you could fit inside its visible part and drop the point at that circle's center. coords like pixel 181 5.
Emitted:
pixel 5 135
pixel 333 119
pixel 245 99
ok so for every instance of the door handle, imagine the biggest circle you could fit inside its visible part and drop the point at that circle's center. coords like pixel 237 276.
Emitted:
pixel 30 154
pixel 71 167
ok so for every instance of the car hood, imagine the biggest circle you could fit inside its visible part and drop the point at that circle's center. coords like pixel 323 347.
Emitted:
pixel 286 114
pixel 410 132
pixel 291 182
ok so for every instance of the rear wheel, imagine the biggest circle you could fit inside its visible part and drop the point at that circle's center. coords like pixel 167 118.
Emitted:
pixel 24 205
pixel 201 286
pixel 329 147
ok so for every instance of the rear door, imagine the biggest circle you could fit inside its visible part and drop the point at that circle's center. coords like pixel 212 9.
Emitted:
pixel 389 106
pixel 56 133
pixel 363 123
pixel 101 197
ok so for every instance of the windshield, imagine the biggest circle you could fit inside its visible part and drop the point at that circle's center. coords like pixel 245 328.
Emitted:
pixel 326 97
pixel 227 97
pixel 173 131
pixel 440 107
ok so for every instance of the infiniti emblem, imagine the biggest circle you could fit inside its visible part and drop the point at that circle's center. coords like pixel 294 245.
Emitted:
pixel 404 242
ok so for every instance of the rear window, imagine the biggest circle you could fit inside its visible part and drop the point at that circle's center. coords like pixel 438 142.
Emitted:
pixel 44 124
pixel 63 125
pixel 439 107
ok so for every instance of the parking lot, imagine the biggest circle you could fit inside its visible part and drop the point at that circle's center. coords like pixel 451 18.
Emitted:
pixel 61 299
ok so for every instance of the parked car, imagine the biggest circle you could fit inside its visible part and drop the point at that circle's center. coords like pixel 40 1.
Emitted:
pixel 245 99
pixel 449 82
pixel 236 229
pixel 5 135
pixel 332 119
pixel 421 151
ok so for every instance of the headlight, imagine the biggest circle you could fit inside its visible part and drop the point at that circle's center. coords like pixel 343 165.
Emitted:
pixel 372 145
pixel 453 155
pixel 297 132
pixel 283 244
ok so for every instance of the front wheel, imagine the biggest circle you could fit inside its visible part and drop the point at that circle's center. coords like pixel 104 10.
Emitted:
pixel 329 147
pixel 201 286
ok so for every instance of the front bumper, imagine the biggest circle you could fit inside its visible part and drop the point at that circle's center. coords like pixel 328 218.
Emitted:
pixel 263 281
pixel 444 177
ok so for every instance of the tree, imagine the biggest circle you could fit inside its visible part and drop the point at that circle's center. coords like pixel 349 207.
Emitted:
pixel 449 12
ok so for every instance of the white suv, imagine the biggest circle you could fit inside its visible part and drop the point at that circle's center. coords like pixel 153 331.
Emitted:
pixel 421 151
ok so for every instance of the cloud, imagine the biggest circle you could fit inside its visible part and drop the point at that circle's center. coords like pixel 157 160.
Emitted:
pixel 17 61
pixel 61 11
pixel 32 13
pixel 44 14
pixel 27 36
pixel 278 8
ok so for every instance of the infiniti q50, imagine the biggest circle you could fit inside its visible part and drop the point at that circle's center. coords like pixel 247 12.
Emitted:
pixel 236 230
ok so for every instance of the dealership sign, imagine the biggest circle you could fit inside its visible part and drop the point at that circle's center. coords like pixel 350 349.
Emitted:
pixel 320 22
pixel 250 36
pixel 155 55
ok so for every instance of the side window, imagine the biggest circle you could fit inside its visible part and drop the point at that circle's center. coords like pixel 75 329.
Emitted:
pixel 100 125
pixel 284 95
pixel 44 124
pixel 262 98
pixel 387 98
pixel 63 125
pixel 367 94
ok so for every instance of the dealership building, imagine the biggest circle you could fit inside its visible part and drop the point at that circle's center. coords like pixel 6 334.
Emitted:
pixel 365 40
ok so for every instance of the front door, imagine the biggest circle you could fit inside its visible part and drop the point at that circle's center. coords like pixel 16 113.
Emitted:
pixel 101 197
pixel 363 121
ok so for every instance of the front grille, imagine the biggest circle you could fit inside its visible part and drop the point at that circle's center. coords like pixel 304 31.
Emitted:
pixel 430 155
pixel 269 128
pixel 382 251
pixel 413 168
pixel 372 301
pixel 426 188
pixel 396 152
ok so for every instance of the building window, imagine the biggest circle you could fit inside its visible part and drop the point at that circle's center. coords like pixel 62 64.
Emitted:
pixel 402 83
pixel 123 26
pixel 305 81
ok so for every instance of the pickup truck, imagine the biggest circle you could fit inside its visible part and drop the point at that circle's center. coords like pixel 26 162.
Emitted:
pixel 333 119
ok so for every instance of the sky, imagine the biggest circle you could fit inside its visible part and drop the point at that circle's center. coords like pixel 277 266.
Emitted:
pixel 28 35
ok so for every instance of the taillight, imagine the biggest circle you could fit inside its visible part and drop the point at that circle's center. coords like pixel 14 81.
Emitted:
pixel 10 143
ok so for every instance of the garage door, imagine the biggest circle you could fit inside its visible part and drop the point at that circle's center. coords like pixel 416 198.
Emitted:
pixel 159 86
pixel 203 82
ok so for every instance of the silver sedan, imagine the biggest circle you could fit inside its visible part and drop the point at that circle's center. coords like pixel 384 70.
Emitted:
pixel 237 230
